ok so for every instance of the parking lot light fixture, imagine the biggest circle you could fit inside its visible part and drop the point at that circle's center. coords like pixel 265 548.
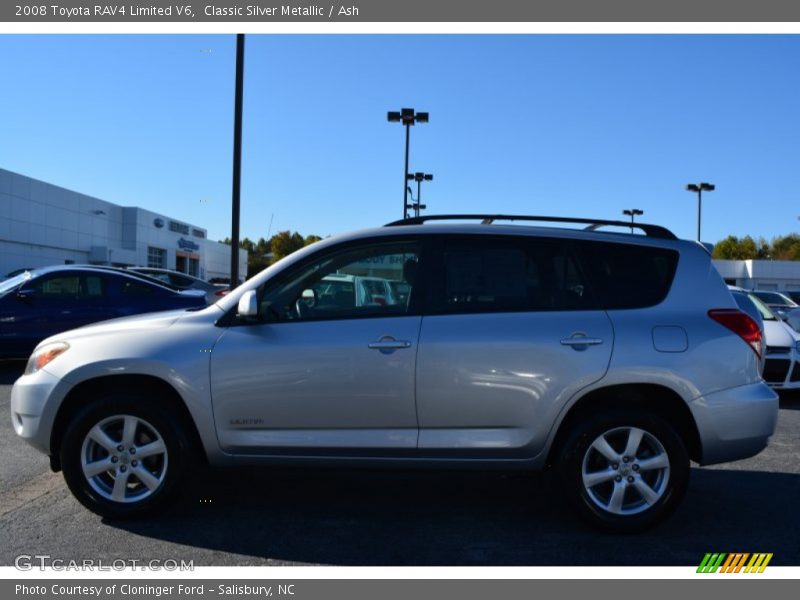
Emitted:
pixel 632 213
pixel 407 117
pixel 419 178
pixel 699 188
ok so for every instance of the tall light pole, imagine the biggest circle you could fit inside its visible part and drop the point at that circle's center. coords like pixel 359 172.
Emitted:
pixel 700 188
pixel 419 178
pixel 408 117
pixel 237 160
pixel 632 213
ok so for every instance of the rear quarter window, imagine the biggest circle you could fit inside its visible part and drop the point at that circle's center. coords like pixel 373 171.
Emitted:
pixel 627 275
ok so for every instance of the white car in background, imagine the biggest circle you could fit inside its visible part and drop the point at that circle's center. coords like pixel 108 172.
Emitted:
pixel 782 351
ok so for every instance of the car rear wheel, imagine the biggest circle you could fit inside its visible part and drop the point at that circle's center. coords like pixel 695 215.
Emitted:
pixel 123 458
pixel 625 470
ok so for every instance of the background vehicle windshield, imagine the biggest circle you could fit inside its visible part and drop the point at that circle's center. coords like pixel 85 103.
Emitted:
pixel 766 313
pixel 774 298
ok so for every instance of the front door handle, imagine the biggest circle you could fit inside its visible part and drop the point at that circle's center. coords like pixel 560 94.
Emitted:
pixel 387 344
pixel 580 341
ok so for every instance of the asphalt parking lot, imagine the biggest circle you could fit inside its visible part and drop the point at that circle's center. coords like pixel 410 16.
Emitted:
pixel 359 517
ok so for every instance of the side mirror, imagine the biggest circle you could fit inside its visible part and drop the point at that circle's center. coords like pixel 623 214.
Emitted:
pixel 26 293
pixel 248 304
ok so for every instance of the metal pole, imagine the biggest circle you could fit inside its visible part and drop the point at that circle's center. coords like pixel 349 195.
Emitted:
pixel 699 210
pixel 237 160
pixel 419 199
pixel 405 174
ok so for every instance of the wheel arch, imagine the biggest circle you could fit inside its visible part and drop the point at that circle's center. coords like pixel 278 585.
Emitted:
pixel 651 397
pixel 157 390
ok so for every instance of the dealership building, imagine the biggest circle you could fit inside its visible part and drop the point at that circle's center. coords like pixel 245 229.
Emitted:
pixel 772 275
pixel 42 224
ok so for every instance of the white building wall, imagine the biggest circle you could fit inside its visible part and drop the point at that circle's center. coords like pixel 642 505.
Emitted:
pixel 218 260
pixel 43 224
pixel 777 275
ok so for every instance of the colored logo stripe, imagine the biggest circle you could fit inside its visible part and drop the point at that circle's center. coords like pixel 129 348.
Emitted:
pixel 734 562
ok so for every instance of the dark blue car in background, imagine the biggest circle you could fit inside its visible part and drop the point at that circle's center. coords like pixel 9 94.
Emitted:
pixel 42 302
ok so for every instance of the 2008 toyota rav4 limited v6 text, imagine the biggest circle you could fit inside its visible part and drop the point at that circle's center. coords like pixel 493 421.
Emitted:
pixel 612 358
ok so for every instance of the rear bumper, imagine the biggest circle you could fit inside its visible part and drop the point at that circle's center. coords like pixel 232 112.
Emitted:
pixel 735 423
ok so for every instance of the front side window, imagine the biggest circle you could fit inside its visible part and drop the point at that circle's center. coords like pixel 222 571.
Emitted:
pixel 354 283
pixel 63 286
pixel 509 274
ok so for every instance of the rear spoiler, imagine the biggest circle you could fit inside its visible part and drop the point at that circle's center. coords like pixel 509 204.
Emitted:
pixel 707 246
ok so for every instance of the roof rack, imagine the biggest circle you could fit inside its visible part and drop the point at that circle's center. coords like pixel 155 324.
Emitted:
pixel 655 231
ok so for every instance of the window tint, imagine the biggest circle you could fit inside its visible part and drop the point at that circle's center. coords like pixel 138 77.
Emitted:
pixel 351 284
pixel 65 286
pixel 510 274
pixel 627 275
pixel 178 281
pixel 94 286
pixel 134 288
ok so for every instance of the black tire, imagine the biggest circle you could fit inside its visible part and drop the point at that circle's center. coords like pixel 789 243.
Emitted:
pixel 153 422
pixel 635 513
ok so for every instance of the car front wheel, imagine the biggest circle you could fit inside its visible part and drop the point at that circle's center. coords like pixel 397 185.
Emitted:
pixel 122 457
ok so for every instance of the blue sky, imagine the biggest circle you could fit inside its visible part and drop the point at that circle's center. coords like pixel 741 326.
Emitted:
pixel 574 125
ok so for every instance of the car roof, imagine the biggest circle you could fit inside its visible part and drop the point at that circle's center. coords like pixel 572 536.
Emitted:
pixel 99 269
pixel 506 229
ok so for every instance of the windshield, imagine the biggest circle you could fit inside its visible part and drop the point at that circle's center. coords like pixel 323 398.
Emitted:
pixel 774 298
pixel 766 313
pixel 10 284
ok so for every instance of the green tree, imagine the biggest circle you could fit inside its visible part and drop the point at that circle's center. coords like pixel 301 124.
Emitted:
pixel 263 253
pixel 733 248
pixel 786 247
pixel 284 243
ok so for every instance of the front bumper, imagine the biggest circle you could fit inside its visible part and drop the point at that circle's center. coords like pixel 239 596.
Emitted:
pixel 782 370
pixel 34 403
pixel 735 423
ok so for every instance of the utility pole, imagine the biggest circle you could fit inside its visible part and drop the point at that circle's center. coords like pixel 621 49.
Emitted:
pixel 237 160
pixel 699 188
pixel 408 117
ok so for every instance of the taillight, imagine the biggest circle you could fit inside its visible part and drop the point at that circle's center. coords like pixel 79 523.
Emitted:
pixel 221 293
pixel 741 324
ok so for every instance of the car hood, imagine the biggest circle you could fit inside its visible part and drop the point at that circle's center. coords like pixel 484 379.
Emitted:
pixel 146 321
pixel 779 333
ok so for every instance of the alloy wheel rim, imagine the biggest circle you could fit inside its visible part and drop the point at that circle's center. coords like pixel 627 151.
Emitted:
pixel 625 471
pixel 124 459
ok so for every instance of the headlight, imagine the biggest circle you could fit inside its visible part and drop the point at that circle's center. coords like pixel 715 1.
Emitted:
pixel 44 355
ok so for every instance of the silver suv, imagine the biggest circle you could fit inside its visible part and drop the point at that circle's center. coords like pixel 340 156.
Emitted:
pixel 612 358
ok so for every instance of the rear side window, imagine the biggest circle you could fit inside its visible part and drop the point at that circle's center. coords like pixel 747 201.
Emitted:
pixel 627 275
pixel 507 275
pixel 136 289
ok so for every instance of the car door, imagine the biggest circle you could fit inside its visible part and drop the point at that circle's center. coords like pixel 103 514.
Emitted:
pixel 50 304
pixel 320 369
pixel 510 333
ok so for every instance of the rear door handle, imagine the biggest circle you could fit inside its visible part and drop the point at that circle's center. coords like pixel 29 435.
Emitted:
pixel 389 344
pixel 579 341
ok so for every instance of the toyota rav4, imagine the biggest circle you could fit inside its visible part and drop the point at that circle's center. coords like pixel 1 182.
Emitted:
pixel 611 358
